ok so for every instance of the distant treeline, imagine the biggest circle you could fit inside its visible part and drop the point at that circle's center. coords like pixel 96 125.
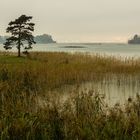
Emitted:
pixel 134 40
pixel 39 39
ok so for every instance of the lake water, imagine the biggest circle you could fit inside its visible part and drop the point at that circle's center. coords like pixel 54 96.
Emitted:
pixel 117 89
pixel 123 50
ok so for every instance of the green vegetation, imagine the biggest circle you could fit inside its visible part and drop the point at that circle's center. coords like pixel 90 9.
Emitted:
pixel 30 109
pixel 53 70
pixel 11 60
pixel 21 32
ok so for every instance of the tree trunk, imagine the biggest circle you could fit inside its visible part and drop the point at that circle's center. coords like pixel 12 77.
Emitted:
pixel 19 43
pixel 18 50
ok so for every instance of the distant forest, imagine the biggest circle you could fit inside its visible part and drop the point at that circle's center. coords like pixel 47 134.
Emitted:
pixel 39 39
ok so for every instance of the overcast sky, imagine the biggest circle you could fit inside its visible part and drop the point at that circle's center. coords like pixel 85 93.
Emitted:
pixel 77 20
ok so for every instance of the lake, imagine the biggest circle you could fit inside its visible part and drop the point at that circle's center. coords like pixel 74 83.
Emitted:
pixel 123 50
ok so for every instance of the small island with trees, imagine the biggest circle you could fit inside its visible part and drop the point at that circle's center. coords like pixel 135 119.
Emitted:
pixel 44 39
pixel 134 40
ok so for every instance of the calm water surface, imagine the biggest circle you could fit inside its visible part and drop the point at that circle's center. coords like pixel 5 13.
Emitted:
pixel 115 88
pixel 124 50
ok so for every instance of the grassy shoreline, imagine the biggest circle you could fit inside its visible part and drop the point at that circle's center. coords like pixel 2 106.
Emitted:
pixel 82 116
pixel 57 69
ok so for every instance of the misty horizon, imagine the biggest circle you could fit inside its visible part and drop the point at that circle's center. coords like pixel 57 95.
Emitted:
pixel 77 21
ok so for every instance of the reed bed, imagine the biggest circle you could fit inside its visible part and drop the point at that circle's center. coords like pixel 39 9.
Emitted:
pixel 82 116
pixel 53 70
pixel 30 110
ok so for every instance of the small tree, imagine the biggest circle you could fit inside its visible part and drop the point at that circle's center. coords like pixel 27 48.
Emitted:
pixel 21 33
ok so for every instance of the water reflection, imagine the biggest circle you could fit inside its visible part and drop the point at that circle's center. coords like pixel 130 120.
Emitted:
pixel 115 88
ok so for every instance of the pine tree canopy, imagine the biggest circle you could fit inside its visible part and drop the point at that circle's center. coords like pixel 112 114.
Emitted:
pixel 21 33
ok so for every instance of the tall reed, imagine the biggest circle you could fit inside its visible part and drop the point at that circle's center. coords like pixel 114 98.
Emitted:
pixel 27 111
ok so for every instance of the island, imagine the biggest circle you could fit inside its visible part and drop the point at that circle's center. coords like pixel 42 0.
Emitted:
pixel 44 39
pixel 39 39
pixel 134 40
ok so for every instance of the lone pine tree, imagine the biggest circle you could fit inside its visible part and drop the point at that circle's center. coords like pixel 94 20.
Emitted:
pixel 21 34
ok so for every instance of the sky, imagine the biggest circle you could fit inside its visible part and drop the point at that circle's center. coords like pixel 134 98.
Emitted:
pixel 77 20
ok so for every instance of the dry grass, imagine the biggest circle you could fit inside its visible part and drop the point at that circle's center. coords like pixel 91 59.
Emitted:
pixel 82 116
pixel 53 70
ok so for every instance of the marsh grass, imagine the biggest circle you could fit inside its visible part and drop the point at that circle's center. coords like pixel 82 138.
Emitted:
pixel 53 70
pixel 82 116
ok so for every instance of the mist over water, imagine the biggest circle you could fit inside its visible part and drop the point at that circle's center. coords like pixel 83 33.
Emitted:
pixel 119 50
